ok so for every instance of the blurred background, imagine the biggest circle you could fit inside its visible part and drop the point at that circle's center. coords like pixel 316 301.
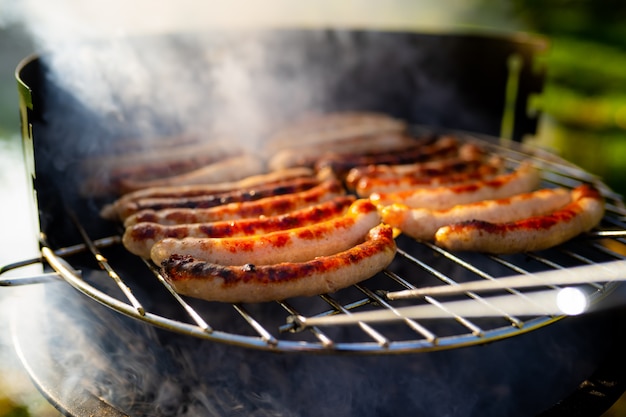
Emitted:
pixel 583 107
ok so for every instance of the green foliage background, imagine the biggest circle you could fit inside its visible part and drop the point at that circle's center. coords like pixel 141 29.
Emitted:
pixel 584 102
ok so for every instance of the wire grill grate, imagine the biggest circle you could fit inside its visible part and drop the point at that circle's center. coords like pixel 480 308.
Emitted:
pixel 271 326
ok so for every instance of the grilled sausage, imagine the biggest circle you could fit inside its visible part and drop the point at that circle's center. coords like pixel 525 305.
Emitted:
pixel 127 208
pixel 260 283
pixel 531 234
pixel 341 164
pixel 157 156
pixel 308 156
pixel 327 128
pixel 469 156
pixel 523 180
pixel 422 223
pixel 177 191
pixel 269 206
pixel 140 238
pixel 228 169
pixel 473 172
pixel 105 174
pixel 293 245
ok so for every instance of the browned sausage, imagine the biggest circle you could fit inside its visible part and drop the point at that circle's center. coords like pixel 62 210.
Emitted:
pixel 469 156
pixel 105 174
pixel 193 190
pixel 295 245
pixel 128 208
pixel 523 180
pixel 228 169
pixel 367 186
pixel 308 156
pixel 422 223
pixel 140 238
pixel 341 164
pixel 269 206
pixel 259 283
pixel 531 234
pixel 323 129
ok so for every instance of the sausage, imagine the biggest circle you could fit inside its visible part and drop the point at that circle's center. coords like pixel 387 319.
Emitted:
pixel 293 245
pixel 422 224
pixel 331 127
pixel 469 155
pixel 341 164
pixel 212 188
pixel 127 208
pixel 307 156
pixel 525 179
pixel 104 174
pixel 367 186
pixel 269 206
pixel 145 156
pixel 228 169
pixel 139 238
pixel 259 283
pixel 531 234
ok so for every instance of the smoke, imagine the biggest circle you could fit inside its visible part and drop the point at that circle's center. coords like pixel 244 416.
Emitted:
pixel 142 370
pixel 146 89
pixel 58 20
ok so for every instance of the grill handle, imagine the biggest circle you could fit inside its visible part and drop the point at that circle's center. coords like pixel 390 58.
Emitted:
pixel 50 276
pixel 601 272
pixel 29 280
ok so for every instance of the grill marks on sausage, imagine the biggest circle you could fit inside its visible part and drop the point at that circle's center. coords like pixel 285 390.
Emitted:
pixel 217 199
pixel 468 158
pixel 524 179
pixel 383 174
pixel 257 283
pixel 530 224
pixel 274 177
pixel 297 244
pixel 225 198
pixel 443 147
pixel 467 172
pixel 139 238
pixel 530 234
pixel 268 206
pixel 309 156
pixel 422 224
pixel 259 245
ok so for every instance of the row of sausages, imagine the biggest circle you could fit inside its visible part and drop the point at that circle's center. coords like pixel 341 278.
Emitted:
pixel 499 214
pixel 321 215
pixel 265 246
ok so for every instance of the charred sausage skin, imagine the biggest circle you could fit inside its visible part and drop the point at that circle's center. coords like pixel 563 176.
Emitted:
pixel 531 234
pixel 259 283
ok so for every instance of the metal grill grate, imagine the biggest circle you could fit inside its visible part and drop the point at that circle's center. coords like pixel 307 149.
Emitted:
pixel 271 326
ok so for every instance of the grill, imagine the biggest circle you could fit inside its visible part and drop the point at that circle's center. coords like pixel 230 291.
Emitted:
pixel 85 251
pixel 418 264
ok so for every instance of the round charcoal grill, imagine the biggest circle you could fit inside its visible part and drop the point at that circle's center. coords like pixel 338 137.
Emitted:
pixel 265 350
pixel 101 269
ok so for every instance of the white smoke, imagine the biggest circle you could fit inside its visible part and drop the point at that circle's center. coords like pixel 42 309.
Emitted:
pixel 55 21
pixel 97 77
